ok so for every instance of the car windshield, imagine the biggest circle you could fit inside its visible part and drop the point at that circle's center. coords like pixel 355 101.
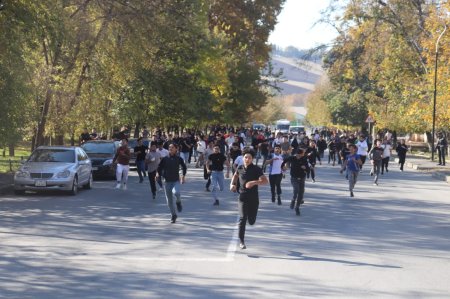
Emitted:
pixel 53 155
pixel 283 127
pixel 98 148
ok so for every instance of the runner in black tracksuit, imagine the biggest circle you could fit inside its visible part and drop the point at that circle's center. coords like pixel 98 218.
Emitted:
pixel 313 156
pixel 299 168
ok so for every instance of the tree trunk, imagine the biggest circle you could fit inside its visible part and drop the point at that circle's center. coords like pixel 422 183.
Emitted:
pixel 136 130
pixel 49 93
pixel 43 118
pixel 59 139
pixel 11 150
pixel 72 138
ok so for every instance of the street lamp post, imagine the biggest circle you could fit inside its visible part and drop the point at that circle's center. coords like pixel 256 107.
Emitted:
pixel 435 92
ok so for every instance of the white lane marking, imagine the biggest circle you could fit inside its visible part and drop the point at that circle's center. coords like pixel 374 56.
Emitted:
pixel 228 258
pixel 233 243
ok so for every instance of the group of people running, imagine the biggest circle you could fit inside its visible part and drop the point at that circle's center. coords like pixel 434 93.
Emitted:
pixel 222 153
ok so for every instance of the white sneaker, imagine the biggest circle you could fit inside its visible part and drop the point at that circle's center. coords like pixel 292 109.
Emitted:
pixel 118 186
pixel 124 187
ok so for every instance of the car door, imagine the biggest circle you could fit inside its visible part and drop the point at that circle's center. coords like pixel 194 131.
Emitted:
pixel 88 164
pixel 81 169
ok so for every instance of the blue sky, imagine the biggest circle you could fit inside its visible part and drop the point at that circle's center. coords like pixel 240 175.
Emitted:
pixel 295 25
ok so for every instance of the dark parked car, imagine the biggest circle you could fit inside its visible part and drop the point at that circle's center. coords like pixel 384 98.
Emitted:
pixel 101 153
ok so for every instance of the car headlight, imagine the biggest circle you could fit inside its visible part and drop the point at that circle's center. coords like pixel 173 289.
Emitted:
pixel 22 174
pixel 63 174
pixel 108 162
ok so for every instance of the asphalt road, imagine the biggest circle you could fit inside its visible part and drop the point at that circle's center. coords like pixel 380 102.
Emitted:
pixel 391 240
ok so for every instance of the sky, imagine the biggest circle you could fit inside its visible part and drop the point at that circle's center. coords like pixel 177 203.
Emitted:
pixel 295 25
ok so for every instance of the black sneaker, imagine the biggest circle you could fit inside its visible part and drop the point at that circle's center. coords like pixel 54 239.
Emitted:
pixel 273 198
pixel 207 190
pixel 279 201
pixel 154 196
pixel 297 211
pixel 292 204
pixel 216 202
pixel 302 202
pixel 242 245
pixel 173 219
pixel 351 194
pixel 179 207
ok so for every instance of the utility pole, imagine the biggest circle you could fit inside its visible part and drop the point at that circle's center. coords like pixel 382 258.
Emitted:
pixel 435 92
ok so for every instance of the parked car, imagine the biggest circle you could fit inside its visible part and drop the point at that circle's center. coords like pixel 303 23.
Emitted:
pixel 101 153
pixel 54 168
pixel 132 143
pixel 297 129
pixel 258 127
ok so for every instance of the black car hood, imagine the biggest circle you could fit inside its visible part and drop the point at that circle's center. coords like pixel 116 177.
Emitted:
pixel 94 156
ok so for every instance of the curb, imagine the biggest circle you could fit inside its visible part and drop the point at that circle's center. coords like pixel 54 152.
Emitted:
pixel 435 174
pixel 441 176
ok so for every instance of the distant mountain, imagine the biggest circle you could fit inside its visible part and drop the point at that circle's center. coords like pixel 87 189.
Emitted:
pixel 300 75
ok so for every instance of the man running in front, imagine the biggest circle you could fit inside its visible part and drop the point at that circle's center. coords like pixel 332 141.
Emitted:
pixel 169 168
pixel 250 177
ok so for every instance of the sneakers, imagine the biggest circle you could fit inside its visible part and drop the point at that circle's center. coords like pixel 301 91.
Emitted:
pixel 313 180
pixel 207 189
pixel 273 198
pixel 242 245
pixel 179 207
pixel 302 202
pixel 124 187
pixel 216 202
pixel 279 200
pixel 292 204
pixel 173 219
pixel 297 211
pixel 375 184
pixel 118 186
pixel 154 196
pixel 351 194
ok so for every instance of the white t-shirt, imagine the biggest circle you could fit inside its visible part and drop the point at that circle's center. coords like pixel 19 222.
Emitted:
pixel 230 140
pixel 239 161
pixel 163 152
pixel 388 135
pixel 201 146
pixel 387 150
pixel 362 148
pixel 275 167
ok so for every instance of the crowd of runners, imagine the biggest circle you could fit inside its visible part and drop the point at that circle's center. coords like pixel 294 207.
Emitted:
pixel 252 158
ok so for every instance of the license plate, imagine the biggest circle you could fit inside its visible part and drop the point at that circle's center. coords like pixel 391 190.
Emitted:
pixel 40 183
pixel 94 168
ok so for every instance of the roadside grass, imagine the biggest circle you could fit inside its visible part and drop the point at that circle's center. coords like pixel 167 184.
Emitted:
pixel 8 163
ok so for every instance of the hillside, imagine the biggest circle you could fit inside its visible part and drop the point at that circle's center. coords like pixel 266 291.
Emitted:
pixel 300 76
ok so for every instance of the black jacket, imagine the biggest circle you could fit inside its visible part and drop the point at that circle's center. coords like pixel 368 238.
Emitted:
pixel 296 166
pixel 169 168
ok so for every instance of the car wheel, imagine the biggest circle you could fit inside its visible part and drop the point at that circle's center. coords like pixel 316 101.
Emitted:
pixel 19 192
pixel 89 183
pixel 74 190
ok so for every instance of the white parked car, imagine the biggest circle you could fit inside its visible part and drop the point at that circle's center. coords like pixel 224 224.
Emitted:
pixel 54 168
